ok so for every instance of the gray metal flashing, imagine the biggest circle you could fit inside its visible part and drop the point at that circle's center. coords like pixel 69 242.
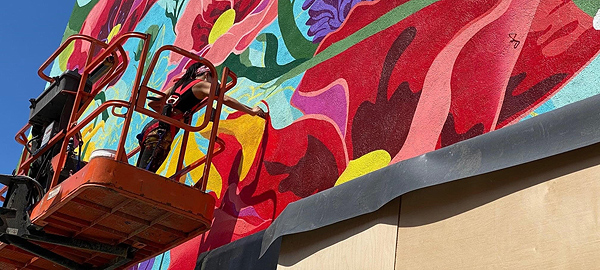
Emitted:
pixel 571 127
pixel 241 254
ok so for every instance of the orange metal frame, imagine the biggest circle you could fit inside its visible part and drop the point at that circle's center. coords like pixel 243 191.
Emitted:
pixel 4 189
pixel 140 209
pixel 135 185
pixel 136 103
pixel 216 111
pixel 81 96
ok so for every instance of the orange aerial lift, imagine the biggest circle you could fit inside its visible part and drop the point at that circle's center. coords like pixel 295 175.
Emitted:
pixel 61 212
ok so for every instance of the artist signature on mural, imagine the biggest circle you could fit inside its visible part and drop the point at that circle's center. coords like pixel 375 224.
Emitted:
pixel 513 39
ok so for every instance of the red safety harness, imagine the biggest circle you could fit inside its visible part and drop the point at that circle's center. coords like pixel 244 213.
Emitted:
pixel 171 103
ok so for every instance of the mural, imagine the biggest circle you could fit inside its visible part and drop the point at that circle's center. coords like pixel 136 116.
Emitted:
pixel 352 86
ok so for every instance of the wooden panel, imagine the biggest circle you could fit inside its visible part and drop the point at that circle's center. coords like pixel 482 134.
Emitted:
pixel 365 242
pixel 541 215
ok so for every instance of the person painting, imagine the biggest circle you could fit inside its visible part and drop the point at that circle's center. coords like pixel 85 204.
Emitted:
pixel 182 99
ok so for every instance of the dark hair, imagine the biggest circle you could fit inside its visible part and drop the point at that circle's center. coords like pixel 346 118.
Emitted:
pixel 190 75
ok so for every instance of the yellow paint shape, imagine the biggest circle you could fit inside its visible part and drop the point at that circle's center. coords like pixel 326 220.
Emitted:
pixel 192 154
pixel 248 130
pixel 63 57
pixel 87 134
pixel 114 32
pixel 215 181
pixel 363 165
pixel 222 25
pixel 170 164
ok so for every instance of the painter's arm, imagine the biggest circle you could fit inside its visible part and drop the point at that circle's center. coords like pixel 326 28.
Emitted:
pixel 230 102
pixel 159 103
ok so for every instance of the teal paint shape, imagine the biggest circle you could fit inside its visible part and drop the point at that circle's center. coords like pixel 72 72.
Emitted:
pixel 582 86
pixel 283 54
pixel 162 261
pixel 281 111
pixel 301 16
pixel 270 70
pixel 54 71
pixel 257 49
pixel 544 108
pixel 82 3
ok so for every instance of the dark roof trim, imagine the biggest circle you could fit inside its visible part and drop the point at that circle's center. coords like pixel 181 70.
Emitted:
pixel 240 254
pixel 555 132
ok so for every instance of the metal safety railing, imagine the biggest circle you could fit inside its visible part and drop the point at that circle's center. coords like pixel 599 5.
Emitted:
pixel 136 103
pixel 211 114
pixel 84 98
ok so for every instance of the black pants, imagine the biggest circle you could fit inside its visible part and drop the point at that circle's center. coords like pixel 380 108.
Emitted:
pixel 154 149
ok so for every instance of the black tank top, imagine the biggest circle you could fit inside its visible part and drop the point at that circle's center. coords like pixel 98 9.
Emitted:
pixel 187 101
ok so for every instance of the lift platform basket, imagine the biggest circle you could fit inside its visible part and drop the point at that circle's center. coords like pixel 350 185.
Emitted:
pixel 117 204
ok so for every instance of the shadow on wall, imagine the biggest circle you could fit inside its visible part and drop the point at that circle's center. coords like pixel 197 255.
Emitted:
pixel 298 247
pixel 444 201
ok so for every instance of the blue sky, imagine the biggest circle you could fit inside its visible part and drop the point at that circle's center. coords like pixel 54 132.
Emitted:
pixel 31 31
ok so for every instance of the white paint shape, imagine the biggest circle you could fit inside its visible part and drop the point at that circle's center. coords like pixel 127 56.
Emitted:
pixel 82 3
pixel 597 20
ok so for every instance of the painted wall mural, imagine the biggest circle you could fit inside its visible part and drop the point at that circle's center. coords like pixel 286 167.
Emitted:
pixel 352 86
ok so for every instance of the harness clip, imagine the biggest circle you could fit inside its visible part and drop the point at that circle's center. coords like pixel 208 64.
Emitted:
pixel 173 100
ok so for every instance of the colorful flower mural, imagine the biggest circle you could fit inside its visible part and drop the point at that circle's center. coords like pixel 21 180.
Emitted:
pixel 356 85
pixel 107 20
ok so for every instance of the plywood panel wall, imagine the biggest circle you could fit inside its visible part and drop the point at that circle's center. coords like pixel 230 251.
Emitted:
pixel 543 215
pixel 365 242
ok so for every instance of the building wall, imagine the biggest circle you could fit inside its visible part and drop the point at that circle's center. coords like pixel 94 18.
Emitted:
pixel 351 86
pixel 365 242
pixel 539 215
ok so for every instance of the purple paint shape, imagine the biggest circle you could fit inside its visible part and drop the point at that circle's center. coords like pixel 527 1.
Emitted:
pixel 178 71
pixel 147 265
pixel 248 212
pixel 326 16
pixel 331 103
pixel 261 6
pixel 137 3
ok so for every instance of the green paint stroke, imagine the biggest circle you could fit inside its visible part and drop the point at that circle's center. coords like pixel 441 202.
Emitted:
pixel 174 15
pixel 153 30
pixel 245 58
pixel 102 98
pixel 391 18
pixel 77 18
pixel 240 63
pixel 298 46
pixel 588 6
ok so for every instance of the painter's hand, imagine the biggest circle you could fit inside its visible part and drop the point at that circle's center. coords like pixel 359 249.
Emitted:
pixel 259 112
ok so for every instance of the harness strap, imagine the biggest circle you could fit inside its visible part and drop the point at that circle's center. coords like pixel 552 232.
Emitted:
pixel 200 104
pixel 180 90
pixel 173 99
